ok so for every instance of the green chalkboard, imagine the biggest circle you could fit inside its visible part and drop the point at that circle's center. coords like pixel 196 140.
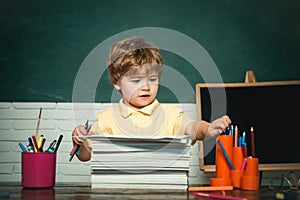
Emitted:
pixel 45 43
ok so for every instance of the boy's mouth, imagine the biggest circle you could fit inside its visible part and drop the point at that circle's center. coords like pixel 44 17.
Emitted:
pixel 144 96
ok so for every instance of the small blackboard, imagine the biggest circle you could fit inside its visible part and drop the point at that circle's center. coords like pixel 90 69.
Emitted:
pixel 271 108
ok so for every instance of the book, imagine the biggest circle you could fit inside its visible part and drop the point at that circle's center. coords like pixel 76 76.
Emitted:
pixel 140 162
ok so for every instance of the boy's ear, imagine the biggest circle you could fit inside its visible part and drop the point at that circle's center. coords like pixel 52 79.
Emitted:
pixel 117 87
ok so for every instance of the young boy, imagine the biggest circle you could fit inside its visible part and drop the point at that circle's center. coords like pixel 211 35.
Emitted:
pixel 135 68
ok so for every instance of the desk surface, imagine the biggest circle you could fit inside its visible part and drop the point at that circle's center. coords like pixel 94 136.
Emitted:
pixel 86 193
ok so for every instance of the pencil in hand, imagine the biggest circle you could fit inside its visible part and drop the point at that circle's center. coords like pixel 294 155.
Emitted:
pixel 76 147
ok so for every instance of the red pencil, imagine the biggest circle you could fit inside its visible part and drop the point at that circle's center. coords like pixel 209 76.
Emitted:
pixel 35 143
pixel 252 142
pixel 244 150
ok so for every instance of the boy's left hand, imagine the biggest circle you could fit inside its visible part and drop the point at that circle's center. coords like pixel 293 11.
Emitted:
pixel 218 126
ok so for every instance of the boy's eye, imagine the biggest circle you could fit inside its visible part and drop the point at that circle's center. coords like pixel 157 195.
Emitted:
pixel 135 80
pixel 153 79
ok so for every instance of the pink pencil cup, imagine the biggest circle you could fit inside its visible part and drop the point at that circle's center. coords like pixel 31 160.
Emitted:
pixel 38 169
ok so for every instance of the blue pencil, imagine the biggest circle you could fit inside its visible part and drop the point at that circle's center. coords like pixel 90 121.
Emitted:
pixel 226 155
pixel 22 147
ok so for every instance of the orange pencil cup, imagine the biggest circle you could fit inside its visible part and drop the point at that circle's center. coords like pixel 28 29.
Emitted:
pixel 38 169
pixel 236 176
pixel 250 180
pixel 237 157
pixel 237 161
pixel 222 166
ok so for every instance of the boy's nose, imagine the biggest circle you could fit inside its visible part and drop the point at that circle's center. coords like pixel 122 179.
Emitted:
pixel 146 86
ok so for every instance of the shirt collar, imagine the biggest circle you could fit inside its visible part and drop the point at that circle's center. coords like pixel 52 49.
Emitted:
pixel 147 110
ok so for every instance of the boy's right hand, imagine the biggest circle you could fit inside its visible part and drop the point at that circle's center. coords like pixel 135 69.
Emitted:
pixel 79 132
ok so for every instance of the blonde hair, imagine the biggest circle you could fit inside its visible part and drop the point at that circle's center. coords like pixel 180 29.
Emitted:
pixel 132 53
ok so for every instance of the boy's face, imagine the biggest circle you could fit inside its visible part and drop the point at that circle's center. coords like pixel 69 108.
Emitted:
pixel 139 89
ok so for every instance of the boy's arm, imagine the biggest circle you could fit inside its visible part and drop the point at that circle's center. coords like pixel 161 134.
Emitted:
pixel 199 130
pixel 84 145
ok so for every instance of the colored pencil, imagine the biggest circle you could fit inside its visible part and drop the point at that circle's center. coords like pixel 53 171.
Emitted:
pixel 226 155
pixel 217 196
pixel 38 124
pixel 252 142
pixel 36 148
pixel 209 188
pixel 244 164
pixel 236 134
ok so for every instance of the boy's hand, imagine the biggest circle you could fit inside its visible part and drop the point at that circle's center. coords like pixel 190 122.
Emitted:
pixel 80 131
pixel 218 126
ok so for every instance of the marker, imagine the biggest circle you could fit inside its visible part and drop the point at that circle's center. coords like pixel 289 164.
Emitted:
pixel 217 196
pixel 40 141
pixel 226 155
pixel 58 143
pixel 51 146
pixel 22 147
pixel 30 146
pixel 42 144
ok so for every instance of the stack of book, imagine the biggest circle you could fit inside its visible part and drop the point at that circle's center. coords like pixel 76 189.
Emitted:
pixel 140 162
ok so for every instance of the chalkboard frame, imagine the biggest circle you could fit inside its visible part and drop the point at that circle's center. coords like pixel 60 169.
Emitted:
pixel 262 167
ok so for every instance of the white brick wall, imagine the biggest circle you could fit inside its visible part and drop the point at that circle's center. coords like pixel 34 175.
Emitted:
pixel 18 122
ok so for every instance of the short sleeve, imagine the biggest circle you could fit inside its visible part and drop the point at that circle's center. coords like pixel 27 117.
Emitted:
pixel 181 122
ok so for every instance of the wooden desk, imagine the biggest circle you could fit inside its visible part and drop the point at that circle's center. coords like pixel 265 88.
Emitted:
pixel 86 193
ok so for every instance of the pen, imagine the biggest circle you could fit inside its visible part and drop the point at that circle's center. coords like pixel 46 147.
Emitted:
pixel 226 155
pixel 22 147
pixel 217 196
pixel 58 143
